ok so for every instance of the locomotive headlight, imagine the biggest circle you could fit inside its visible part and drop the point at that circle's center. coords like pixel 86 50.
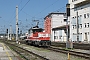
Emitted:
pixel 38 40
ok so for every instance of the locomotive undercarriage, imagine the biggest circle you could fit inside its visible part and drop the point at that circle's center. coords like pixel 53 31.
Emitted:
pixel 39 43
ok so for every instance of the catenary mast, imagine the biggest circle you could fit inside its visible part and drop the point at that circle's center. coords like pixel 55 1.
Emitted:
pixel 16 24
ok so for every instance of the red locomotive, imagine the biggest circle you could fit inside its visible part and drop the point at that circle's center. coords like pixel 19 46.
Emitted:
pixel 38 37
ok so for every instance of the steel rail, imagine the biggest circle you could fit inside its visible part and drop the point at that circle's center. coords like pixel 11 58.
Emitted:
pixel 43 58
pixel 75 53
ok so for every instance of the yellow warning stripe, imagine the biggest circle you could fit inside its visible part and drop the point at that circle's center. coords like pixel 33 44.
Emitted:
pixel 7 52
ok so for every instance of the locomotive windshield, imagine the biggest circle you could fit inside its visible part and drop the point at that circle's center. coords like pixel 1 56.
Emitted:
pixel 37 30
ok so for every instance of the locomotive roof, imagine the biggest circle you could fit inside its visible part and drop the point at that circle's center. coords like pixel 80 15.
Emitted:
pixel 35 28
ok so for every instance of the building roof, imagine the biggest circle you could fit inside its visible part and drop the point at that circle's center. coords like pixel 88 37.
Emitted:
pixel 54 13
pixel 60 27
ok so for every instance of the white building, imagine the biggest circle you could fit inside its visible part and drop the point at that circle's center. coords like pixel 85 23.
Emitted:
pixel 80 20
pixel 58 27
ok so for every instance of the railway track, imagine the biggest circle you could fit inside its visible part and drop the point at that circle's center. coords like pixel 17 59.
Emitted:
pixel 25 54
pixel 56 49
pixel 75 45
pixel 71 52
pixel 63 45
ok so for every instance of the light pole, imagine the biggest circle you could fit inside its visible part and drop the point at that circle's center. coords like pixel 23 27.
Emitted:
pixel 10 32
pixel 77 28
pixel 67 33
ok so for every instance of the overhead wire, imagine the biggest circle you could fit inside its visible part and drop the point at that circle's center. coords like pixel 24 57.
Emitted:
pixel 14 12
pixel 58 10
pixel 50 6
pixel 20 10
pixel 40 11
pixel 46 8
pixel 24 6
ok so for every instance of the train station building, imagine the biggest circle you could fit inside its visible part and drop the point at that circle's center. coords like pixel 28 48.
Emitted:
pixel 80 20
pixel 78 23
pixel 56 26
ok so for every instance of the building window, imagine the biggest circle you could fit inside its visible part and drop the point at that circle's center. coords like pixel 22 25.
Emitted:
pixel 55 37
pixel 80 19
pixel 80 37
pixel 86 38
pixel 80 25
pixel 88 15
pixel 60 32
pixel 75 26
pixel 72 26
pixel 87 24
pixel 80 15
pixel 60 37
pixel 73 20
pixel 84 15
pixel 74 37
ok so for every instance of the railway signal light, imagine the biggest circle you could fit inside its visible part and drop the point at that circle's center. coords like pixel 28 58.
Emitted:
pixel 21 32
pixel 18 30
pixel 7 31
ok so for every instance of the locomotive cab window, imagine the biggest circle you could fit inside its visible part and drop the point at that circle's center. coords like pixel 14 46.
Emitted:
pixel 37 30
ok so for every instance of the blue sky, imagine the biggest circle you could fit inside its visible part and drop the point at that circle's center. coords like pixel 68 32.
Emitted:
pixel 29 10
